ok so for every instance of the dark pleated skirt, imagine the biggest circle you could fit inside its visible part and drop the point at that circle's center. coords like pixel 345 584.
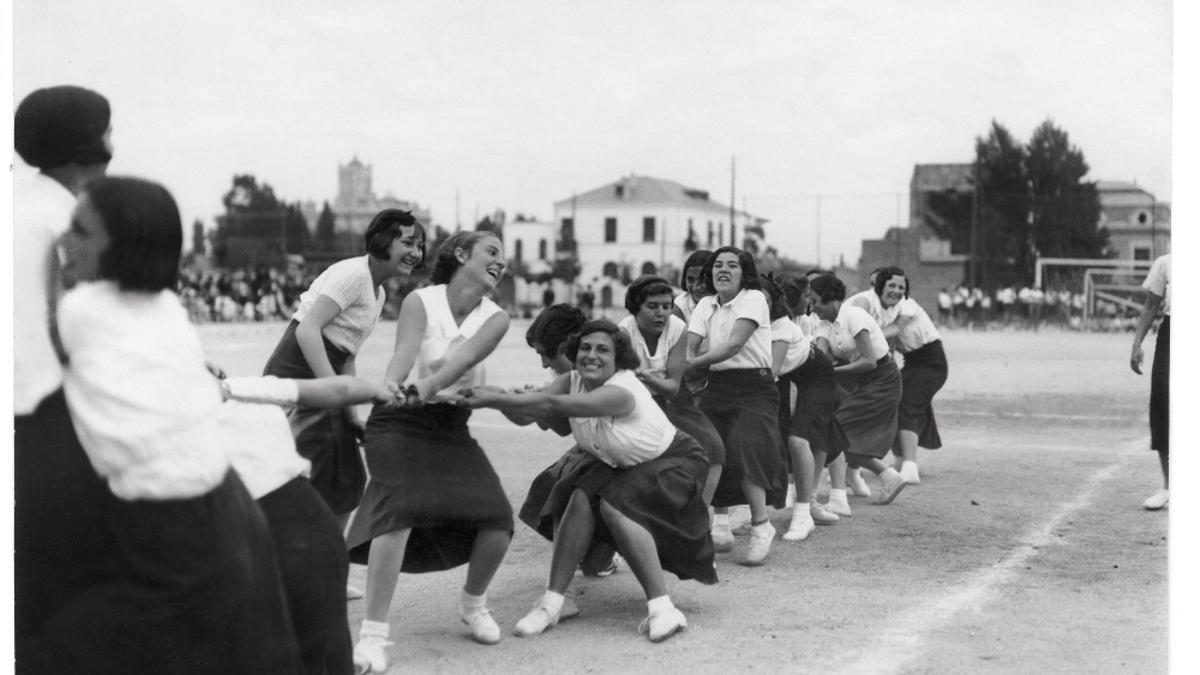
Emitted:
pixel 683 412
pixel 869 412
pixel 313 564
pixel 543 484
pixel 1160 390
pixel 925 371
pixel 61 543
pixel 427 474
pixel 817 400
pixel 323 436
pixel 663 495
pixel 743 406
pixel 198 591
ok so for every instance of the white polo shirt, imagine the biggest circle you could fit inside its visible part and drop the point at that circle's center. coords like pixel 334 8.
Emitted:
pixel 919 330
pixel 851 321
pixel 715 321
pixel 784 329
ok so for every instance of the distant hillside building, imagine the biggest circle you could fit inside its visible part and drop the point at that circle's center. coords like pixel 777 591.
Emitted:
pixel 641 225
pixel 356 203
pixel 1139 226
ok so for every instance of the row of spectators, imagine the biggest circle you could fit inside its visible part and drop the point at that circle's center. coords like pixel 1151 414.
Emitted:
pixel 1028 308
pixel 241 295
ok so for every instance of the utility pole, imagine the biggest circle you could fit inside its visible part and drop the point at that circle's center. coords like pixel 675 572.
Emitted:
pixel 732 199
pixel 818 230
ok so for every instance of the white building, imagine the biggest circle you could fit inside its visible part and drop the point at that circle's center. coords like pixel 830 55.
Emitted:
pixel 641 225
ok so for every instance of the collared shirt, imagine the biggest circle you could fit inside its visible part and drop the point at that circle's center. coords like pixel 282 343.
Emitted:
pixel 1158 281
pixel 784 329
pixel 347 283
pixel 715 322
pixel 919 330
pixel 851 321
pixel 42 210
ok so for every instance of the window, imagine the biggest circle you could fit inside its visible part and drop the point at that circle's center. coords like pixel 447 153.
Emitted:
pixel 648 229
pixel 611 270
pixel 518 250
pixel 720 233
pixel 610 230
pixel 732 234
pixel 541 249
pixel 649 268
pixel 710 235
pixel 1141 253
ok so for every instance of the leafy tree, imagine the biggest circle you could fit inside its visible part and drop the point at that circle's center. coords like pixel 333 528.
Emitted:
pixel 326 223
pixel 257 228
pixel 1066 207
pixel 1003 237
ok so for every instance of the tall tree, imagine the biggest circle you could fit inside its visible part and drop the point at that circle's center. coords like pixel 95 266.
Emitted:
pixel 256 225
pixel 1066 208
pixel 1002 250
pixel 326 225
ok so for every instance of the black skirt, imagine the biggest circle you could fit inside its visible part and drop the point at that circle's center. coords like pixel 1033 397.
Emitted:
pixel 868 414
pixel 313 564
pixel 925 371
pixel 1160 389
pixel 430 475
pixel 323 436
pixel 817 400
pixel 663 495
pixel 743 406
pixel 683 412
pixel 198 591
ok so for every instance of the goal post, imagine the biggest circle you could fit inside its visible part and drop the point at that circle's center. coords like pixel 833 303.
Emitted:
pixel 1108 284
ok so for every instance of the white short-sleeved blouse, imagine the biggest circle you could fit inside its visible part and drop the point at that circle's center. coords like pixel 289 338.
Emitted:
pixel 715 321
pixel 347 283
pixel 626 440
pixel 1158 281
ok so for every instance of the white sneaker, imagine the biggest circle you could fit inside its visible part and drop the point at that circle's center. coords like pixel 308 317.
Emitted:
pixel 662 625
pixel 370 654
pixel 839 505
pixel 537 621
pixel 722 537
pixel 857 484
pixel 889 489
pixel 801 526
pixel 759 547
pixel 821 515
pixel 483 627
pixel 1157 500
pixel 909 473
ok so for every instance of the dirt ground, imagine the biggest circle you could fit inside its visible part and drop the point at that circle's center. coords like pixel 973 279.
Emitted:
pixel 1024 549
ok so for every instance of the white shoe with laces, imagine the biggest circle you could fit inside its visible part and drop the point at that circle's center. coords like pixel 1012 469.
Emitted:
pixel 857 484
pixel 484 629
pixel 370 654
pixel 537 621
pixel 801 526
pixel 662 625
pixel 839 505
pixel 822 515
pixel 759 547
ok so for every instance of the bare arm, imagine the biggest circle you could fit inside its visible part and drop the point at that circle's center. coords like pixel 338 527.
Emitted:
pixel 340 391
pixel 604 401
pixel 1150 310
pixel 308 335
pixel 742 330
pixel 409 329
pixel 779 349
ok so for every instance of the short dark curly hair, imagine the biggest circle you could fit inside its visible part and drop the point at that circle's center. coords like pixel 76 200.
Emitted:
pixel 828 287
pixel 552 328
pixel 643 288
pixel 885 274
pixel 384 229
pixel 446 263
pixel 625 357
pixel 750 278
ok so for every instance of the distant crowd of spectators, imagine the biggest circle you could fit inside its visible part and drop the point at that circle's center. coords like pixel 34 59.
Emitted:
pixel 241 295
pixel 1028 307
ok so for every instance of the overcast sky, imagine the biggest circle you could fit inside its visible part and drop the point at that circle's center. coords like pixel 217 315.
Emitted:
pixel 517 104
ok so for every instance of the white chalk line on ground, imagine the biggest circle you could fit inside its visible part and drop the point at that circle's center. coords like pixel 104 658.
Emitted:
pixel 904 639
pixel 1036 416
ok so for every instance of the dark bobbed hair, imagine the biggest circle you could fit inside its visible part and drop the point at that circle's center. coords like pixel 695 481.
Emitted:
pixel 816 272
pixel 625 357
pixel 554 326
pixel 384 229
pixel 146 235
pixel 885 275
pixel 696 259
pixel 447 263
pixel 750 278
pixel 828 287
pixel 60 125
pixel 776 304
pixel 644 287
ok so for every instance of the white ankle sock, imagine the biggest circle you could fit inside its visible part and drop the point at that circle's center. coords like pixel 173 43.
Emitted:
pixel 373 628
pixel 721 519
pixel 472 603
pixel 837 493
pixel 553 602
pixel 660 604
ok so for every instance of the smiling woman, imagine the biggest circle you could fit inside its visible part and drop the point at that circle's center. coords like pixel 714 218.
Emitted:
pixel 337 314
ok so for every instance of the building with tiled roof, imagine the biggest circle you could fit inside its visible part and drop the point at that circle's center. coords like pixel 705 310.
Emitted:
pixel 642 225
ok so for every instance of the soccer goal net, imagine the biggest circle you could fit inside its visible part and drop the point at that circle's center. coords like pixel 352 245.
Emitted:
pixel 1112 289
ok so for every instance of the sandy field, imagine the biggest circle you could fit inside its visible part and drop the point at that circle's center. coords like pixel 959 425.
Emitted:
pixel 1024 549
